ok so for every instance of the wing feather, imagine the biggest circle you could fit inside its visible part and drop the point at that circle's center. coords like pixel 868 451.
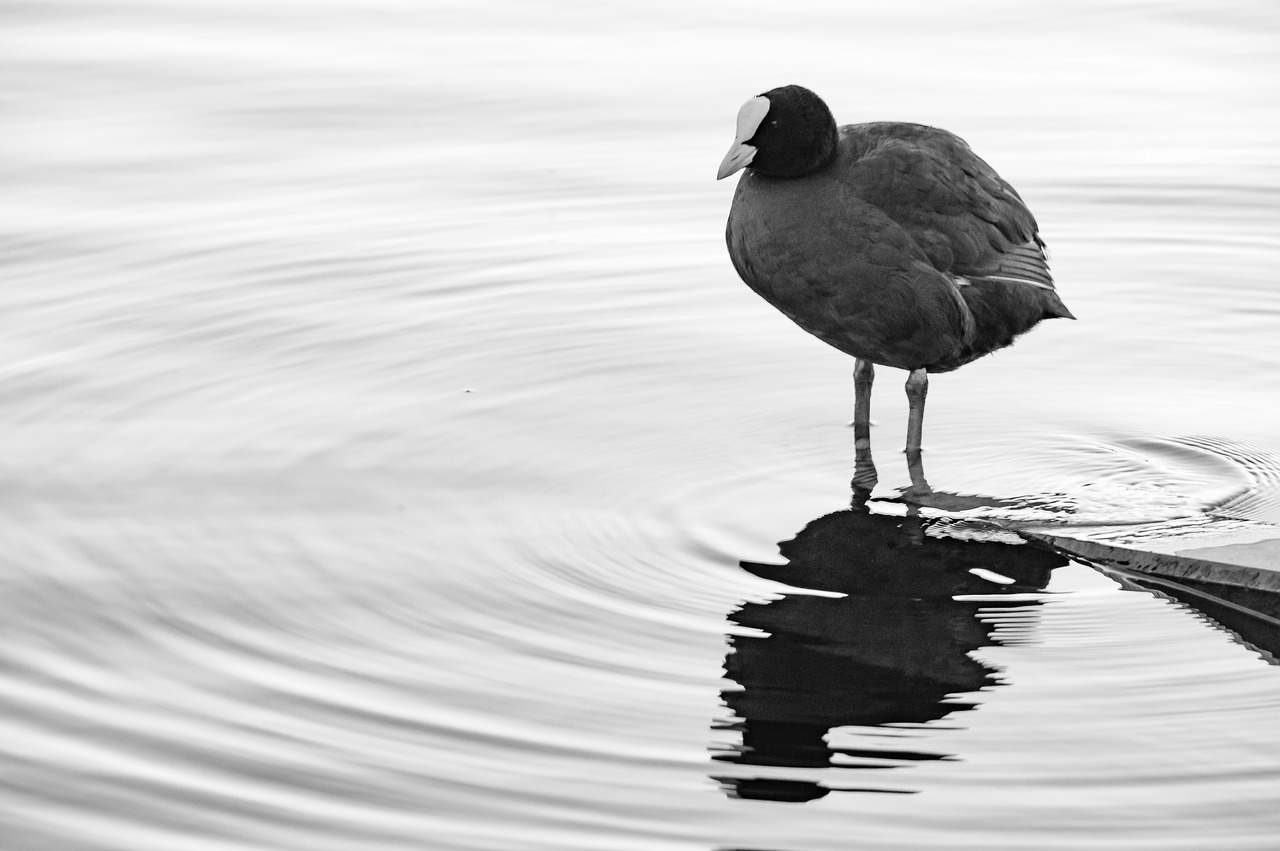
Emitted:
pixel 965 217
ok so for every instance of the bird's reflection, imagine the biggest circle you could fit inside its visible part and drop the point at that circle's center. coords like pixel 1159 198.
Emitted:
pixel 894 651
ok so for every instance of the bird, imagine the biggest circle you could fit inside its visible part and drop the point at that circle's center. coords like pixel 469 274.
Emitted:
pixel 891 241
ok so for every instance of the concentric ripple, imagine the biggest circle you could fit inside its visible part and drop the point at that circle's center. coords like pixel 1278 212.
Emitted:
pixel 394 461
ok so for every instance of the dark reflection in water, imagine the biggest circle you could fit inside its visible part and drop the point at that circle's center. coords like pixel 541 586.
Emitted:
pixel 894 651
pixel 1241 600
pixel 1251 617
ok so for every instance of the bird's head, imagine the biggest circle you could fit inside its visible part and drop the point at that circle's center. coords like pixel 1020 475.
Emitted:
pixel 785 132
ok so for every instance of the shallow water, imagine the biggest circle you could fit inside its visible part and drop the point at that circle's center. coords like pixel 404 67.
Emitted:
pixel 391 448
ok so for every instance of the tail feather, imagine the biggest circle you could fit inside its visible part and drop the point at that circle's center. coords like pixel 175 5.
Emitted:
pixel 1055 309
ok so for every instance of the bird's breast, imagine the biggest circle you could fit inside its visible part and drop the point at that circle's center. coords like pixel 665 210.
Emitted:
pixel 841 269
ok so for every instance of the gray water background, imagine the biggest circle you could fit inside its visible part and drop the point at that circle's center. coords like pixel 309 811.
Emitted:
pixel 384 425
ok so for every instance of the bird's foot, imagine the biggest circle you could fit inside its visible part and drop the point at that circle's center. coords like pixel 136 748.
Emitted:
pixel 951 502
pixel 861 496
pixel 865 477
pixel 917 493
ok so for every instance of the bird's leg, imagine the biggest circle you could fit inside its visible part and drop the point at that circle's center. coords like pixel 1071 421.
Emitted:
pixel 864 471
pixel 917 389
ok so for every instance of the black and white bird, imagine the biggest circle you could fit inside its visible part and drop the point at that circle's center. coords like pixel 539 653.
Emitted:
pixel 892 242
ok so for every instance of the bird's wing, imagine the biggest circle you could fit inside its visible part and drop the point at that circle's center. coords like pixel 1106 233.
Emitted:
pixel 968 220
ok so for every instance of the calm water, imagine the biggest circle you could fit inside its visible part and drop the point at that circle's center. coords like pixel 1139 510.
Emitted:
pixel 394 461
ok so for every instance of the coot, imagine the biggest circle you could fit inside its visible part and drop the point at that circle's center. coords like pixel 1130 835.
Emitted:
pixel 892 242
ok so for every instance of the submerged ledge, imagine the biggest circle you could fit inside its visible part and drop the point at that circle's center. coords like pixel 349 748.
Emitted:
pixel 1239 589
pixel 1255 565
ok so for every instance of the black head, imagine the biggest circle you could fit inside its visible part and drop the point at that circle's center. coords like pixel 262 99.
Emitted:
pixel 796 136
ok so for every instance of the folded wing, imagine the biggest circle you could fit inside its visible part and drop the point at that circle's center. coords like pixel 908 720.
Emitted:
pixel 965 217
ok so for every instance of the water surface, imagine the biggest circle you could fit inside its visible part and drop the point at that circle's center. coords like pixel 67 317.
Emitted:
pixel 392 454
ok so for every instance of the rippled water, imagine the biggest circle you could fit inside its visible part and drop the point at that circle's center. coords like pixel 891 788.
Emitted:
pixel 393 459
